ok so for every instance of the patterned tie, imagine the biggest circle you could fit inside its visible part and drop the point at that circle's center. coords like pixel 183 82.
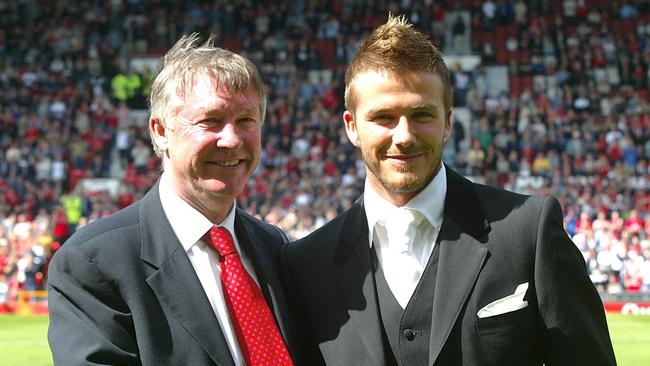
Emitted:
pixel 259 338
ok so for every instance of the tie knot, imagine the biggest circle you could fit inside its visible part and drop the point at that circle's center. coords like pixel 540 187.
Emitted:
pixel 401 227
pixel 403 217
pixel 222 240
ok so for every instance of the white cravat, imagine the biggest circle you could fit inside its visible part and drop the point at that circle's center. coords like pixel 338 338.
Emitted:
pixel 404 267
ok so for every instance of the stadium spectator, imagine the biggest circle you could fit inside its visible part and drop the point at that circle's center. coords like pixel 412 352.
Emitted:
pixel 140 154
pixel 577 90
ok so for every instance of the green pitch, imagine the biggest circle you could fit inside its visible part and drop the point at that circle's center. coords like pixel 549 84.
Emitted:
pixel 631 337
pixel 23 340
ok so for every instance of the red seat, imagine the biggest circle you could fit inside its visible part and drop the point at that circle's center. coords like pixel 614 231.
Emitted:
pixel 232 43
pixel 515 85
pixel 527 82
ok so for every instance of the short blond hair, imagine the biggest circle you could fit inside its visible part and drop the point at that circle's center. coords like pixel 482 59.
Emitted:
pixel 185 61
pixel 397 47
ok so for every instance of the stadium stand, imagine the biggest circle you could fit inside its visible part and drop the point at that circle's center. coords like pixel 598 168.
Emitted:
pixel 556 104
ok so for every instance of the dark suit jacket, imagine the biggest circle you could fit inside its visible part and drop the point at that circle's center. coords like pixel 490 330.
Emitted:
pixel 122 291
pixel 490 241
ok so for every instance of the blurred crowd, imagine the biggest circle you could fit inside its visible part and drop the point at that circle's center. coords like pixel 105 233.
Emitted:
pixel 573 121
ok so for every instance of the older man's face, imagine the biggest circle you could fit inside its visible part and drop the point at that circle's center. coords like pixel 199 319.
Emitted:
pixel 214 143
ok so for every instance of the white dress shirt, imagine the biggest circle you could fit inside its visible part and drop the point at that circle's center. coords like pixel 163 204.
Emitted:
pixel 190 225
pixel 403 264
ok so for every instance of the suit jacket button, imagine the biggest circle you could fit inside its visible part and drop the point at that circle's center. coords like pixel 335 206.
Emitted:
pixel 409 334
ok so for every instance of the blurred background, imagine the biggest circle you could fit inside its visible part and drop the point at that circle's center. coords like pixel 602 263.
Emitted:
pixel 550 98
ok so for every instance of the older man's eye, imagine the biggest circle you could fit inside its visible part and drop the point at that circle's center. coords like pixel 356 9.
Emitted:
pixel 208 122
pixel 247 122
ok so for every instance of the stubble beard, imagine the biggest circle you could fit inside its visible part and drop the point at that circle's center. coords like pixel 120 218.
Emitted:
pixel 408 181
pixel 404 179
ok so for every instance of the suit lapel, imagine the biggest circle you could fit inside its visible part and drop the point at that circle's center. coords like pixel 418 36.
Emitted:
pixel 266 274
pixel 461 258
pixel 175 283
pixel 355 283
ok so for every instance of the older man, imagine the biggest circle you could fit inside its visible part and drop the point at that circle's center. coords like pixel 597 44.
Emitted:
pixel 181 277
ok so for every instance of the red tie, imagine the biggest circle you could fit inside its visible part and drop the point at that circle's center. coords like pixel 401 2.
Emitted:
pixel 259 338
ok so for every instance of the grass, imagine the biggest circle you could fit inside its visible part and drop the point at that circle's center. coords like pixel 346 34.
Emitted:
pixel 23 340
pixel 631 338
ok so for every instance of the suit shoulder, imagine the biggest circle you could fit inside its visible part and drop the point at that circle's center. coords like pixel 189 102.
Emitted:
pixel 114 228
pixel 261 227
pixel 499 203
pixel 491 195
pixel 326 233
pixel 310 256
pixel 500 193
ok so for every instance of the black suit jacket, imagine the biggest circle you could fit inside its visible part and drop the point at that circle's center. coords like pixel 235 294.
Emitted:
pixel 490 242
pixel 122 291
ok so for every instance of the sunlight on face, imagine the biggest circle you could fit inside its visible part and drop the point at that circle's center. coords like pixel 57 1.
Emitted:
pixel 214 142
pixel 400 125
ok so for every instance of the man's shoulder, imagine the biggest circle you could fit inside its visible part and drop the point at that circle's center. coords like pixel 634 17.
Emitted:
pixel 117 229
pixel 109 246
pixel 487 192
pixel 462 190
pixel 318 252
pixel 499 203
pixel 259 226
pixel 328 233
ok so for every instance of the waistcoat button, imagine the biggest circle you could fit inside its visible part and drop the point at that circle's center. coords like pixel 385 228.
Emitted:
pixel 409 334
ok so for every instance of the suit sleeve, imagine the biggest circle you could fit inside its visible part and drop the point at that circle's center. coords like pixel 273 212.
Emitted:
pixel 89 322
pixel 574 328
pixel 307 352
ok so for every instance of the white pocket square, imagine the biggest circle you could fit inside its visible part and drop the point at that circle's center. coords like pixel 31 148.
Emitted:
pixel 507 304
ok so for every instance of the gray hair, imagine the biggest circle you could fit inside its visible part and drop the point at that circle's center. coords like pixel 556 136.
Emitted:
pixel 180 66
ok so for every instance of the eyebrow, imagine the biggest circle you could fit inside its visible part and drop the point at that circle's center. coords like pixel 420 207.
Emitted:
pixel 410 108
pixel 422 106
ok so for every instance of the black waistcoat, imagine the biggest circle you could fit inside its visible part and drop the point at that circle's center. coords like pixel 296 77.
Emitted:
pixel 408 330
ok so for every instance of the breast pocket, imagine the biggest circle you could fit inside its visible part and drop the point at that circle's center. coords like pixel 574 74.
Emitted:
pixel 511 321
pixel 508 339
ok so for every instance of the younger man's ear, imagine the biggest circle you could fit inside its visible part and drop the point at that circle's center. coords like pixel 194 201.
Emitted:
pixel 351 128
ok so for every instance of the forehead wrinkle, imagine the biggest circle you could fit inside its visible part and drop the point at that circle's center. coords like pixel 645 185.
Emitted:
pixel 228 105
pixel 228 110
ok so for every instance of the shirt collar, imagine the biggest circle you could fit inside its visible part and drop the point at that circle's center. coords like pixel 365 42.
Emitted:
pixel 188 223
pixel 430 202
